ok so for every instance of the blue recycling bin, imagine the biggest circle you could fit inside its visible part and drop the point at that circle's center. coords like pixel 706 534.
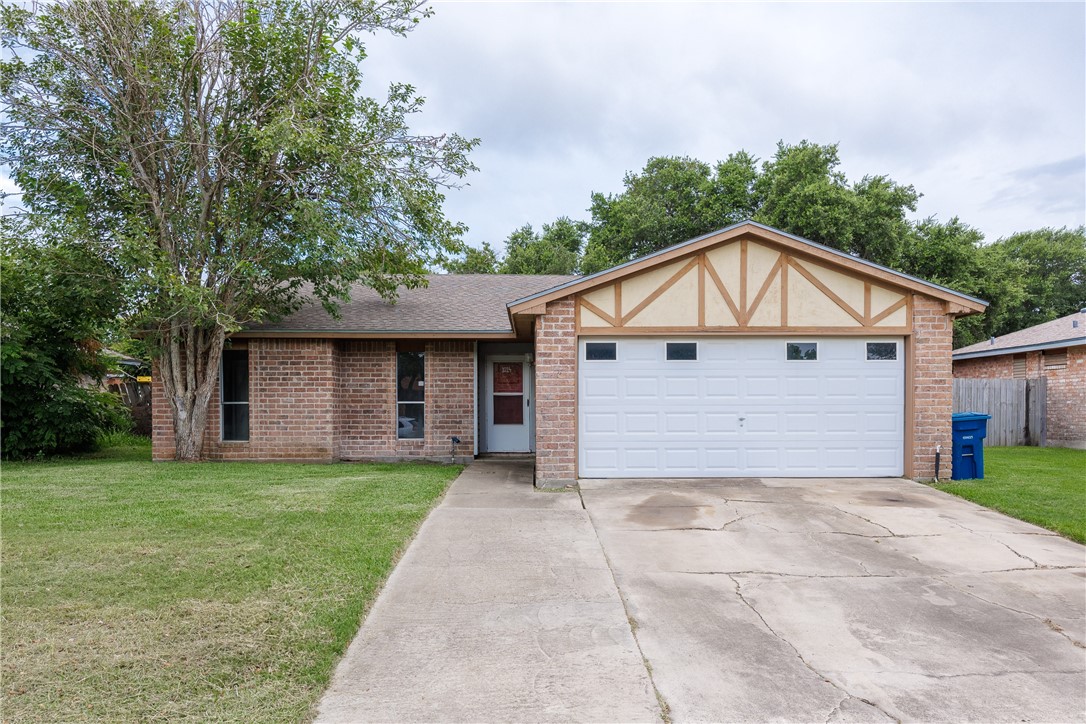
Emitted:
pixel 969 430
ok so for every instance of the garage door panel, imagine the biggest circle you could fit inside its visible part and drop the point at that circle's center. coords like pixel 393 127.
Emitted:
pixel 601 388
pixel 681 423
pixel 641 423
pixel 681 388
pixel 722 389
pixel 763 388
pixel 801 388
pixel 642 388
pixel 642 459
pixel 642 415
pixel 601 423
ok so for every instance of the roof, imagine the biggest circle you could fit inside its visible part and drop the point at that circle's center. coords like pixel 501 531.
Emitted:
pixel 450 305
pixel 768 233
pixel 1061 332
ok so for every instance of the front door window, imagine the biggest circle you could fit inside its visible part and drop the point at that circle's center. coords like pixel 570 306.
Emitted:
pixel 508 393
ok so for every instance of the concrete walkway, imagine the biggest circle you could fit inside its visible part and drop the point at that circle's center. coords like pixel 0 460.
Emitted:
pixel 502 609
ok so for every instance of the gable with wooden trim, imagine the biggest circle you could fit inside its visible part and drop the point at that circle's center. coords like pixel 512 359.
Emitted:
pixel 747 279
pixel 743 285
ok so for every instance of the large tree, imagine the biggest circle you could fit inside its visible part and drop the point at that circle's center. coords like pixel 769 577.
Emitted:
pixel 1051 267
pixel 800 190
pixel 226 154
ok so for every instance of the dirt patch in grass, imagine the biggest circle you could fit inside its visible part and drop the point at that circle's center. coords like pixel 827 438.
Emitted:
pixel 135 591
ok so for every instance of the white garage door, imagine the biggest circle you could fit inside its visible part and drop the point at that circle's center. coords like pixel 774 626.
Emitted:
pixel 789 407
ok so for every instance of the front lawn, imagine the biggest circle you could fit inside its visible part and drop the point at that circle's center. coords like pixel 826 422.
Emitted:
pixel 135 591
pixel 1045 486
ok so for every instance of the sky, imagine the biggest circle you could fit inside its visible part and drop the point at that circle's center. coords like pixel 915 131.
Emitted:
pixel 980 106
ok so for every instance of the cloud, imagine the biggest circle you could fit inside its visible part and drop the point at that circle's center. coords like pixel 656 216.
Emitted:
pixel 569 97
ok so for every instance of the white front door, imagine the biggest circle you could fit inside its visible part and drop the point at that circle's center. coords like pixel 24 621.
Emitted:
pixel 720 407
pixel 508 404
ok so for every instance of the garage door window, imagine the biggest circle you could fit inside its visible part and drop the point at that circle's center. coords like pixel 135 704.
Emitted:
pixel 802 351
pixel 881 351
pixel 682 351
pixel 599 351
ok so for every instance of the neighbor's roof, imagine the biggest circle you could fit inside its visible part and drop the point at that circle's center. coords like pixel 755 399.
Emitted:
pixel 1058 333
pixel 451 304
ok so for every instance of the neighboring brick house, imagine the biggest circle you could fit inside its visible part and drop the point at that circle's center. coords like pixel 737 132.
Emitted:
pixel 744 352
pixel 1053 350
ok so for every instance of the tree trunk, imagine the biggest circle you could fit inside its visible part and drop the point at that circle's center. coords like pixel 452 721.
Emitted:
pixel 190 372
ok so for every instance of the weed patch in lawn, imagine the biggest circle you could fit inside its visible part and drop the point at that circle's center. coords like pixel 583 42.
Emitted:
pixel 1045 486
pixel 158 591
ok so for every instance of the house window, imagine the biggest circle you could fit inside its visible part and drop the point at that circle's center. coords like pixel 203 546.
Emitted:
pixel 881 351
pixel 1018 363
pixel 802 351
pixel 1056 359
pixel 600 351
pixel 685 351
pixel 410 394
pixel 234 393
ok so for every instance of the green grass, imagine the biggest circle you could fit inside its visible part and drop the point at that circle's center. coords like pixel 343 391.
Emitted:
pixel 136 591
pixel 1045 486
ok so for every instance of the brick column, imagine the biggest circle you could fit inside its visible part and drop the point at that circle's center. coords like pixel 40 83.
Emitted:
pixel 932 386
pixel 556 396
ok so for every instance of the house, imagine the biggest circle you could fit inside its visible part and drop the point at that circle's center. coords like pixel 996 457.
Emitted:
pixel 1055 351
pixel 743 352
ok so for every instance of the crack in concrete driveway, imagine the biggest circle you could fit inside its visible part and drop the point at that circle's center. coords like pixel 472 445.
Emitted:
pixel 843 600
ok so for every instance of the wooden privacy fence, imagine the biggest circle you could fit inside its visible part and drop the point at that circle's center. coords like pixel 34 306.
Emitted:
pixel 1017 408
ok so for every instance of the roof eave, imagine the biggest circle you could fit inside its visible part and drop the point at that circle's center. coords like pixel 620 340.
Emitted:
pixel 1000 351
pixel 375 334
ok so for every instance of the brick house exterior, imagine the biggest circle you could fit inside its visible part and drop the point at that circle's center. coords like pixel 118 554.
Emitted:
pixel 325 390
pixel 1054 351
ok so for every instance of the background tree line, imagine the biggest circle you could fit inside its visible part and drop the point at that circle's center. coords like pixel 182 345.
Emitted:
pixel 1028 277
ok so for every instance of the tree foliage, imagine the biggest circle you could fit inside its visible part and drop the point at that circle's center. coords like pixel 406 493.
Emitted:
pixel 1050 265
pixel 474 260
pixel 800 190
pixel 228 157
pixel 555 251
pixel 56 301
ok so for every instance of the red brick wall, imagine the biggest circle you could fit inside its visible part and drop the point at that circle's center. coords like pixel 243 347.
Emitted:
pixel 366 401
pixel 985 367
pixel 556 395
pixel 933 385
pixel 1065 417
pixel 336 399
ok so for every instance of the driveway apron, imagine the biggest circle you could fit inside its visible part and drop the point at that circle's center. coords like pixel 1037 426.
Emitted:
pixel 844 600
pixel 503 608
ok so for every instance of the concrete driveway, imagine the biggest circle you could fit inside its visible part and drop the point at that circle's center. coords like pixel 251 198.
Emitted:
pixel 719 600
pixel 844 600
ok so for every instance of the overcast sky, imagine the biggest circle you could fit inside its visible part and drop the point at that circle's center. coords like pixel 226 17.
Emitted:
pixel 981 106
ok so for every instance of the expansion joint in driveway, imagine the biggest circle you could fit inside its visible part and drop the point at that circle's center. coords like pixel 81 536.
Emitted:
pixel 816 672
pixel 665 710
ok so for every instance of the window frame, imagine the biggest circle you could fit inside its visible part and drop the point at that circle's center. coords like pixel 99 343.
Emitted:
pixel 396 387
pixel 223 402
pixel 800 341
pixel 667 345
pixel 614 348
pixel 867 351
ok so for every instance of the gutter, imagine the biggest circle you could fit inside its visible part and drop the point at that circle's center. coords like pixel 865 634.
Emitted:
pixel 1072 342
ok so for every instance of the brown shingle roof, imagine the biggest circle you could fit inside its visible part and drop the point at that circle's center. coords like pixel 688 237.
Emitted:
pixel 1045 334
pixel 449 303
